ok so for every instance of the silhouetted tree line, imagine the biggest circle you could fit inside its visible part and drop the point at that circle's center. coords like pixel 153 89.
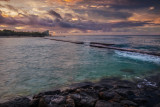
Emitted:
pixel 30 34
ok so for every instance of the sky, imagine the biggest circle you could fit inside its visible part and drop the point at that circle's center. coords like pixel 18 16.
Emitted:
pixel 86 17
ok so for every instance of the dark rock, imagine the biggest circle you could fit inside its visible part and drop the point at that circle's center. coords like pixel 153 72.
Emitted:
pixel 124 86
pixel 18 102
pixel 128 103
pixel 140 100
pixel 115 104
pixel 157 105
pixel 38 96
pixel 58 99
pixel 47 98
pixel 70 102
pixel 87 101
pixel 42 103
pixel 76 97
pixel 117 98
pixel 107 95
pixel 34 103
pixel 102 103
pixel 97 86
pixel 91 92
pixel 82 85
pixel 55 92
pixel 67 91
pixel 124 92
pixel 52 92
pixel 105 84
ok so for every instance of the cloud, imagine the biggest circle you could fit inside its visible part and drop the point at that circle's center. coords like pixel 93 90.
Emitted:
pixel 130 24
pixel 81 15
pixel 129 4
pixel 105 27
pixel 34 20
pixel 11 7
pixel 5 0
pixel 55 14
pixel 109 14
pixel 8 20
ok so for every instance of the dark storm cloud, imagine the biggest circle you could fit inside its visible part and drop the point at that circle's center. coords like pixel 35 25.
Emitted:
pixel 31 20
pixel 105 27
pixel 128 4
pixel 8 20
pixel 68 16
pixel 104 13
pixel 55 14
pixel 129 24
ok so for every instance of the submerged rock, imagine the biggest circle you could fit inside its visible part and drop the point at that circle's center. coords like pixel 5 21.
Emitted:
pixel 128 70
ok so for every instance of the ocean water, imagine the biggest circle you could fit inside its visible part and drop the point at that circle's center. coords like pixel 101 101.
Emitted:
pixel 32 65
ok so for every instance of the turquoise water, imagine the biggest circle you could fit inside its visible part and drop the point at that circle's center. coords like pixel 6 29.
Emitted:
pixel 31 65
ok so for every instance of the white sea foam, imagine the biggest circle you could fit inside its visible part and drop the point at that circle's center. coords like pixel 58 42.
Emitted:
pixel 138 56
pixel 146 83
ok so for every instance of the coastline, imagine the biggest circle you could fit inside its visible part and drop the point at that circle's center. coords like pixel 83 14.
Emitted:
pixel 108 92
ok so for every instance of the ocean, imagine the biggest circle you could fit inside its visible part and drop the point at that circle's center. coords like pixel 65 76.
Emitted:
pixel 31 65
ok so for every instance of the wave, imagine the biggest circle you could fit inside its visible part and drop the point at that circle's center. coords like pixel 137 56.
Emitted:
pixel 139 56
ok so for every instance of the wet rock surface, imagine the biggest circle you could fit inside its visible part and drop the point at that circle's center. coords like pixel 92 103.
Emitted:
pixel 110 92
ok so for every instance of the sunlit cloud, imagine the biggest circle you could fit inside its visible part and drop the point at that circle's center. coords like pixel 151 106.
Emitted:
pixel 20 27
pixel 80 16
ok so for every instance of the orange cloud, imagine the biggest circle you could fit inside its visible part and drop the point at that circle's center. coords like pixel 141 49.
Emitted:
pixel 20 27
pixel 64 1
pixel 5 15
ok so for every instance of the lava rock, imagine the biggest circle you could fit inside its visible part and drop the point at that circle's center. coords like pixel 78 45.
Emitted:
pixel 83 85
pixel 18 102
pixel 128 103
pixel 76 97
pixel 70 102
pixel 102 103
pixel 140 100
pixel 87 101
pixel 124 92
pixel 107 95
pixel 157 105
pixel 42 103
pixel 58 99
pixel 34 102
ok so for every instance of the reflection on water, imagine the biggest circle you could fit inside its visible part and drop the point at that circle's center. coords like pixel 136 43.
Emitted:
pixel 30 65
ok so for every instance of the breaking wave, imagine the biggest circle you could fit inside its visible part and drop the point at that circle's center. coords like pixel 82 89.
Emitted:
pixel 139 56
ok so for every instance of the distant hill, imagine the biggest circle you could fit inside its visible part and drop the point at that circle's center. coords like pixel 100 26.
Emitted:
pixel 20 34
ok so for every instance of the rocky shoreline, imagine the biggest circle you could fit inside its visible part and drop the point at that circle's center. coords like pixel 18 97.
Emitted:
pixel 109 92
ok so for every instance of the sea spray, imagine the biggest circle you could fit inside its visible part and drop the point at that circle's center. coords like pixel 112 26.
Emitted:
pixel 138 56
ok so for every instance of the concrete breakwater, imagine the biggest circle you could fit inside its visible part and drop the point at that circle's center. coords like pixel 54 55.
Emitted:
pixel 109 92
pixel 107 46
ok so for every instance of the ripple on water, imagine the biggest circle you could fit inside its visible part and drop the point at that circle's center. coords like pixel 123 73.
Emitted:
pixel 31 65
